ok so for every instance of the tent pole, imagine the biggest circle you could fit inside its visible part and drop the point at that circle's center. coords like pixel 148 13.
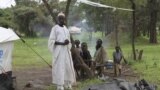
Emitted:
pixel 34 51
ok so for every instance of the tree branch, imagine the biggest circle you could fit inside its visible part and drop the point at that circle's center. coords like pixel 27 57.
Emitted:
pixel 50 10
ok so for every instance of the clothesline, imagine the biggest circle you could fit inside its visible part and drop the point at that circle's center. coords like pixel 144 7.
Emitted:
pixel 102 5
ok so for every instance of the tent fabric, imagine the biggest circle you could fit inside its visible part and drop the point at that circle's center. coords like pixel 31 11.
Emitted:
pixel 101 5
pixel 7 35
pixel 6 56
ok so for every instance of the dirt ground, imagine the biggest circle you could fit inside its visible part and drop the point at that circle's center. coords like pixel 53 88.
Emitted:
pixel 40 78
pixel 127 73
pixel 37 78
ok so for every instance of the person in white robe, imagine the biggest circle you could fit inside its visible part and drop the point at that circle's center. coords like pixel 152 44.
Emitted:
pixel 63 74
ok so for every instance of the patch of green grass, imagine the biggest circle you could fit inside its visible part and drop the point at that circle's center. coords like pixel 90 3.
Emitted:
pixel 81 85
pixel 149 66
pixel 24 57
pixel 88 82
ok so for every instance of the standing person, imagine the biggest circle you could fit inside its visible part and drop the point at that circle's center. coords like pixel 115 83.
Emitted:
pixel 63 74
pixel 117 57
pixel 100 57
pixel 75 61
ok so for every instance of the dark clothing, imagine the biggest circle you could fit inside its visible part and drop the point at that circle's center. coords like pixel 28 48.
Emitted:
pixel 86 57
pixel 6 81
pixel 117 57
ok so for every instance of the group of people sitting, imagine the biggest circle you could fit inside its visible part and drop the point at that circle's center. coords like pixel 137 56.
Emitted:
pixel 100 59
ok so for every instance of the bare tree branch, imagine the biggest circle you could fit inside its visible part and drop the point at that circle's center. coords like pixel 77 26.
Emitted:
pixel 50 10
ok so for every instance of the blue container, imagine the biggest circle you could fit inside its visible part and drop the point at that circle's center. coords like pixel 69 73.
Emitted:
pixel 109 65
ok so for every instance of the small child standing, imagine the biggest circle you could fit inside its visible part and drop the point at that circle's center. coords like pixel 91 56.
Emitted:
pixel 117 57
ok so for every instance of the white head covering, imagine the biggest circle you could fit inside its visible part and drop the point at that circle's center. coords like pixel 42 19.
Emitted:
pixel 61 14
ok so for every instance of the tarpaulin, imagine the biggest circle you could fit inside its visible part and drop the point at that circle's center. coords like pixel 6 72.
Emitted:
pixel 101 5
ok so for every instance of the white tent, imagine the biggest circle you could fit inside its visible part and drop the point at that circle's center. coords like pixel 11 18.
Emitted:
pixel 7 38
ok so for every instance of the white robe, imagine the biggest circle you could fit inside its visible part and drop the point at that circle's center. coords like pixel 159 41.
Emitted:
pixel 62 64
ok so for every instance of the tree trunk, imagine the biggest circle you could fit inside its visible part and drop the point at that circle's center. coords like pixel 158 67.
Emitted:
pixel 153 20
pixel 138 33
pixel 116 28
pixel 116 35
pixel 133 28
pixel 26 27
pixel 153 34
pixel 140 55
pixel 50 10
pixel 67 9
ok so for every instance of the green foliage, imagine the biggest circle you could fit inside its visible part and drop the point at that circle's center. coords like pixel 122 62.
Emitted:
pixel 147 65
pixel 23 16
pixel 6 18
pixel 29 3
pixel 28 14
pixel 75 17
pixel 106 20
pixel 99 18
